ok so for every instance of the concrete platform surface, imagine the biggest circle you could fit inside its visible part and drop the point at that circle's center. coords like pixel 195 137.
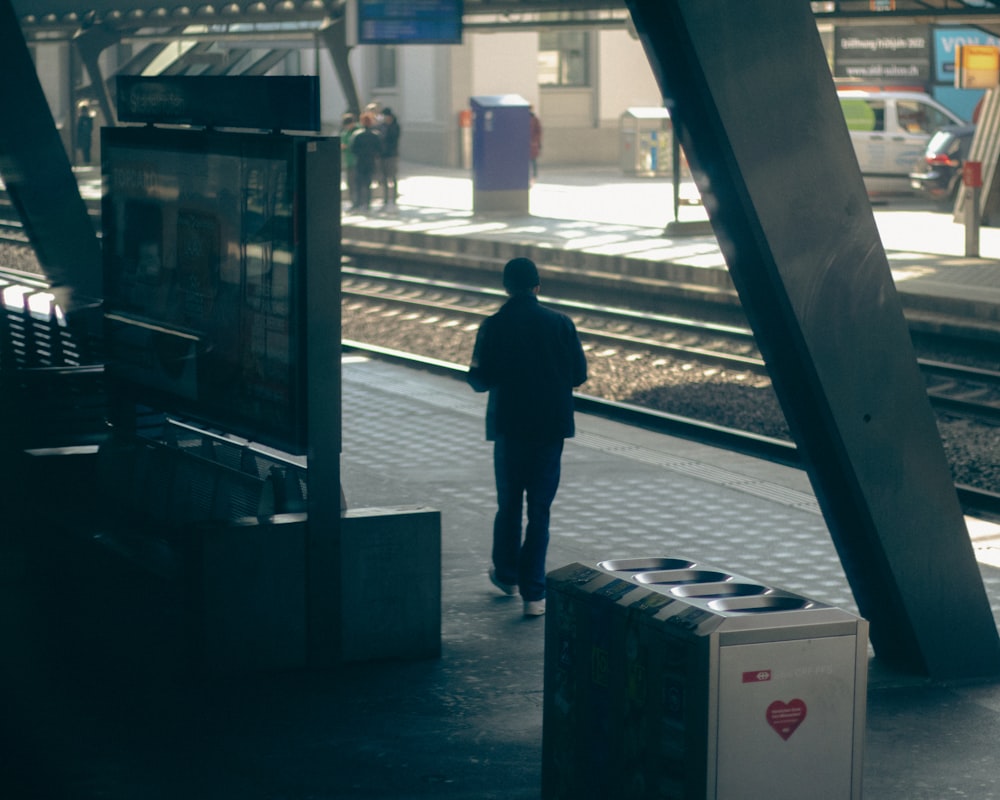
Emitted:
pixel 925 246
pixel 93 707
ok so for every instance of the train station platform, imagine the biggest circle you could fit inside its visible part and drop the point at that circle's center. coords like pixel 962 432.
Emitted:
pixel 599 214
pixel 93 708
pixel 601 219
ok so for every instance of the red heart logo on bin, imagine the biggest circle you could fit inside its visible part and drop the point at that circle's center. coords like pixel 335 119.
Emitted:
pixel 786 717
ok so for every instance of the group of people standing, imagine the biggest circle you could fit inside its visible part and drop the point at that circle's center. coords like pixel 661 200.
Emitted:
pixel 370 149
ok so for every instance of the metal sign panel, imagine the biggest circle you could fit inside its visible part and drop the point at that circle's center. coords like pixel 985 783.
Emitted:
pixel 409 21
pixel 283 102
pixel 883 54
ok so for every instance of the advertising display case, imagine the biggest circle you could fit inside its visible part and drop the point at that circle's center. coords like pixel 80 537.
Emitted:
pixel 204 274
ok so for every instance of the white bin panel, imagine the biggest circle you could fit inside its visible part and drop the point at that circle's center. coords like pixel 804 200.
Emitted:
pixel 787 719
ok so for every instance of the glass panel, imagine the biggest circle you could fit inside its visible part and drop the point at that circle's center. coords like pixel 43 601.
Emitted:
pixel 563 58
pixel 385 67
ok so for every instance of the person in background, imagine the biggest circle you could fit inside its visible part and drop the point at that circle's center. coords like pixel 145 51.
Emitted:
pixel 535 140
pixel 529 358
pixel 85 131
pixel 375 110
pixel 366 147
pixel 348 127
pixel 390 157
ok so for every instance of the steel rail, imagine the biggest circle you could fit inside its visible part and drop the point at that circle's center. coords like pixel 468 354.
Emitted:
pixel 947 397
pixel 568 306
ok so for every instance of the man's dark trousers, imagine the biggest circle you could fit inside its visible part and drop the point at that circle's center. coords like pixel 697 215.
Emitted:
pixel 524 467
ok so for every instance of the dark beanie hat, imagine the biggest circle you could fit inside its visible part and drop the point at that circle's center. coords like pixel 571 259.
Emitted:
pixel 520 273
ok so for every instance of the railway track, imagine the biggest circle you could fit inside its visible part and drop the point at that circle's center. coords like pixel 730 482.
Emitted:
pixel 962 390
pixel 12 232
pixel 968 391
pixel 625 335
pixel 11 229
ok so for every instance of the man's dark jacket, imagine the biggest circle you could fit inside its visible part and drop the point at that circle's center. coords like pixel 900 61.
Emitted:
pixel 390 139
pixel 529 358
pixel 367 147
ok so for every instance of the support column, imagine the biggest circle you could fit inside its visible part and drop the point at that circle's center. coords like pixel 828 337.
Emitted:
pixel 334 38
pixel 39 178
pixel 90 43
pixel 769 148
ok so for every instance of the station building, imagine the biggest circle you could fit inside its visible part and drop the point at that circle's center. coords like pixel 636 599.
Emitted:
pixel 580 70
pixel 579 79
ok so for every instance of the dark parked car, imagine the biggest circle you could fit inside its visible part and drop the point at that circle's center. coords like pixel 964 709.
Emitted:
pixel 939 173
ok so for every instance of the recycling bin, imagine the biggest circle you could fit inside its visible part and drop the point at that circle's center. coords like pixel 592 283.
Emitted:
pixel 501 161
pixel 669 678
pixel 645 142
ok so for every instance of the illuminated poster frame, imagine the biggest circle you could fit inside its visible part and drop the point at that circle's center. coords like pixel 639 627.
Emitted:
pixel 205 286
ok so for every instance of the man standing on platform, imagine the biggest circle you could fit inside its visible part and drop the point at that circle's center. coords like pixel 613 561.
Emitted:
pixel 529 358
pixel 85 131
pixel 390 158
pixel 366 146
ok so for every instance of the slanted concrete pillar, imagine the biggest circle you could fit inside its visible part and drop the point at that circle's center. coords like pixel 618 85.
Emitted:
pixel 769 148
pixel 38 176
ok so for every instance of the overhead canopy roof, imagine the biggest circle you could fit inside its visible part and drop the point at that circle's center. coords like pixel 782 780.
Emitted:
pixel 67 15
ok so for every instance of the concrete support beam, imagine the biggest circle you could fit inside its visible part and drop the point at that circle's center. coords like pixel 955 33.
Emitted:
pixel 334 37
pixel 38 176
pixel 90 43
pixel 768 146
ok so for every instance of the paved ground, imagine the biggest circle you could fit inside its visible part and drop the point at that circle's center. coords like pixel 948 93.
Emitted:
pixel 603 213
pixel 93 709
pixel 606 195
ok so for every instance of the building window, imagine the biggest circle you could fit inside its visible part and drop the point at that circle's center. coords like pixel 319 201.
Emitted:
pixel 385 67
pixel 564 58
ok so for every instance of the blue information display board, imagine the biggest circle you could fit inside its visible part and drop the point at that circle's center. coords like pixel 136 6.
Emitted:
pixel 409 21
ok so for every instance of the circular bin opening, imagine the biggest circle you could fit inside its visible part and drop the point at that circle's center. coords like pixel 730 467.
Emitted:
pixel 676 577
pixel 759 605
pixel 718 590
pixel 644 564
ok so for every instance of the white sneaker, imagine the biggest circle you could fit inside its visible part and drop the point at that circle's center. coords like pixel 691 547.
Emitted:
pixel 508 589
pixel 534 608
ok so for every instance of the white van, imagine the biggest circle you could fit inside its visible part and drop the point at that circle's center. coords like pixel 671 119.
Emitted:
pixel 890 131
